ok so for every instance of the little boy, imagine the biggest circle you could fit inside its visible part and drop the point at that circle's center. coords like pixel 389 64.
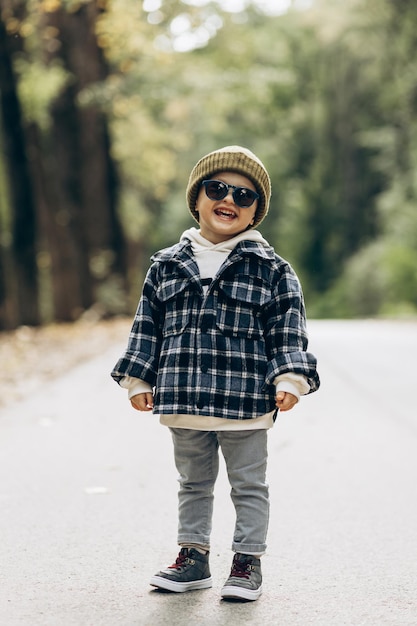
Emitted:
pixel 218 346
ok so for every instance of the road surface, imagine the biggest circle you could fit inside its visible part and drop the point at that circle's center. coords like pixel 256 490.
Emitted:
pixel 88 500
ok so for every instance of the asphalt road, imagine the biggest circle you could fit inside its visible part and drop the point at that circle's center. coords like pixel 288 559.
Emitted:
pixel 88 500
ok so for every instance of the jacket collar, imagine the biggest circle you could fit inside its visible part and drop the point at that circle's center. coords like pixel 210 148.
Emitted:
pixel 252 247
pixel 181 253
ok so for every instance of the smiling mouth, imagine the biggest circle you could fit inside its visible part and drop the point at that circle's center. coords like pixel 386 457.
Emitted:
pixel 225 214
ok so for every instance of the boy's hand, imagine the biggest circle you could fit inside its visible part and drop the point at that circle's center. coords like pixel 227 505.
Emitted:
pixel 142 401
pixel 285 401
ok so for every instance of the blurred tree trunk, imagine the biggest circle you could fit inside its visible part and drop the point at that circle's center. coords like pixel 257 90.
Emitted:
pixel 90 247
pixel 23 211
pixel 57 237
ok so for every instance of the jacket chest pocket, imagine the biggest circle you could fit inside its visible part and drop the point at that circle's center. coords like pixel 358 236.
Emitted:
pixel 175 295
pixel 240 306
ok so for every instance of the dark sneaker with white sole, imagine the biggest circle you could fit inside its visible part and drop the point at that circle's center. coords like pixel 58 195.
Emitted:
pixel 245 580
pixel 190 571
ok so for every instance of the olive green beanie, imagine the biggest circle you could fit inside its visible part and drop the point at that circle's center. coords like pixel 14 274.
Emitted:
pixel 231 159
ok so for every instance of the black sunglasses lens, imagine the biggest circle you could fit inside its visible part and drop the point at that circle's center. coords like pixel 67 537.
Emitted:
pixel 216 190
pixel 244 197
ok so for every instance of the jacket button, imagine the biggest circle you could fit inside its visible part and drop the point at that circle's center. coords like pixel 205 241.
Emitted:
pixel 200 405
pixel 204 368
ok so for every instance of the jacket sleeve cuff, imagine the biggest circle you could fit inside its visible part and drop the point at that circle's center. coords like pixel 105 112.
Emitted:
pixel 292 383
pixel 135 386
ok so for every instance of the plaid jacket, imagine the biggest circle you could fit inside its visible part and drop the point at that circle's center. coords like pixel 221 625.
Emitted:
pixel 218 354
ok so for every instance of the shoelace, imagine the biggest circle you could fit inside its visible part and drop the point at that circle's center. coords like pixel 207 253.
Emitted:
pixel 240 570
pixel 180 561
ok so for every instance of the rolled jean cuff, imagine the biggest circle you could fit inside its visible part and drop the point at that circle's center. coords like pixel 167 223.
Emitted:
pixel 249 548
pixel 201 540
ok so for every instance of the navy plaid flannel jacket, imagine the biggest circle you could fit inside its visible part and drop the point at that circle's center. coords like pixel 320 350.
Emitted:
pixel 218 354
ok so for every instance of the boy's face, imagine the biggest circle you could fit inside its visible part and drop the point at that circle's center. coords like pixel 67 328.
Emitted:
pixel 221 220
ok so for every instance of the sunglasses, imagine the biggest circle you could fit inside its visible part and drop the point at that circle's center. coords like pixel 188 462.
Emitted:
pixel 242 196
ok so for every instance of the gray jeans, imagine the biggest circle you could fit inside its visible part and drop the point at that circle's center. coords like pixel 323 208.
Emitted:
pixel 197 461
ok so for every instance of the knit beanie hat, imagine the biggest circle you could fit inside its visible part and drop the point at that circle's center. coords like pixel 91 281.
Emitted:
pixel 231 159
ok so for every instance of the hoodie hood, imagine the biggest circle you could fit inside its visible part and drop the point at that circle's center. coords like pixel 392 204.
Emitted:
pixel 199 243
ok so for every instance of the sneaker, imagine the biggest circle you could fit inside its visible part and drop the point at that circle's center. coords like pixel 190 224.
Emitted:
pixel 190 571
pixel 245 580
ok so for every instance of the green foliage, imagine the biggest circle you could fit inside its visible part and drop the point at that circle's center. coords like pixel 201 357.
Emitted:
pixel 381 279
pixel 39 85
pixel 326 97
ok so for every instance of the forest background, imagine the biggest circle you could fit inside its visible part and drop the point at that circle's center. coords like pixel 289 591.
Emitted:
pixel 106 105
